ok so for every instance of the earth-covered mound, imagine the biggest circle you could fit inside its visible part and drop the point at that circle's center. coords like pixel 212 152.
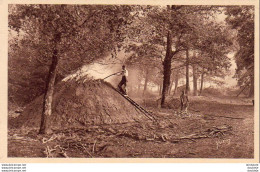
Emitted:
pixel 78 104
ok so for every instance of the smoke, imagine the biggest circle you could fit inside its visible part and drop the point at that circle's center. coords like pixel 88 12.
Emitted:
pixel 100 69
pixel 106 67
pixel 95 71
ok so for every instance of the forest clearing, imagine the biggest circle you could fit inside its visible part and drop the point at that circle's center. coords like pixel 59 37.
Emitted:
pixel 214 130
pixel 214 127
pixel 131 81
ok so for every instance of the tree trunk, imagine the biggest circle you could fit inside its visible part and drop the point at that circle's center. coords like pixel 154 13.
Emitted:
pixel 201 81
pixel 176 82
pixel 146 81
pixel 187 72
pixel 160 90
pixel 251 92
pixel 171 84
pixel 47 104
pixel 167 69
pixel 195 92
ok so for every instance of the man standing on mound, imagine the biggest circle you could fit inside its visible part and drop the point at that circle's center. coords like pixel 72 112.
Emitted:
pixel 184 101
pixel 122 83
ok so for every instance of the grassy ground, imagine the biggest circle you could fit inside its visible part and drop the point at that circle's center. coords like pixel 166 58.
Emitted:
pixel 213 128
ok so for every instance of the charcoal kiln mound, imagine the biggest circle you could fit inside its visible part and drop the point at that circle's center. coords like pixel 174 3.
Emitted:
pixel 78 104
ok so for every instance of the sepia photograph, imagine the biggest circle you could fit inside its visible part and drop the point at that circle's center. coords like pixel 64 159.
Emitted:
pixel 131 81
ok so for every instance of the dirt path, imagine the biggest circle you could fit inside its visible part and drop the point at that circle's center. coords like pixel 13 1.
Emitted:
pixel 211 129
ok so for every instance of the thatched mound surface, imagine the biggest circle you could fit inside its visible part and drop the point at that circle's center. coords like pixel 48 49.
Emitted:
pixel 78 103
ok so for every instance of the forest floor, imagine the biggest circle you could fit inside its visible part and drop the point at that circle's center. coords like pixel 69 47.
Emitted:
pixel 213 128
